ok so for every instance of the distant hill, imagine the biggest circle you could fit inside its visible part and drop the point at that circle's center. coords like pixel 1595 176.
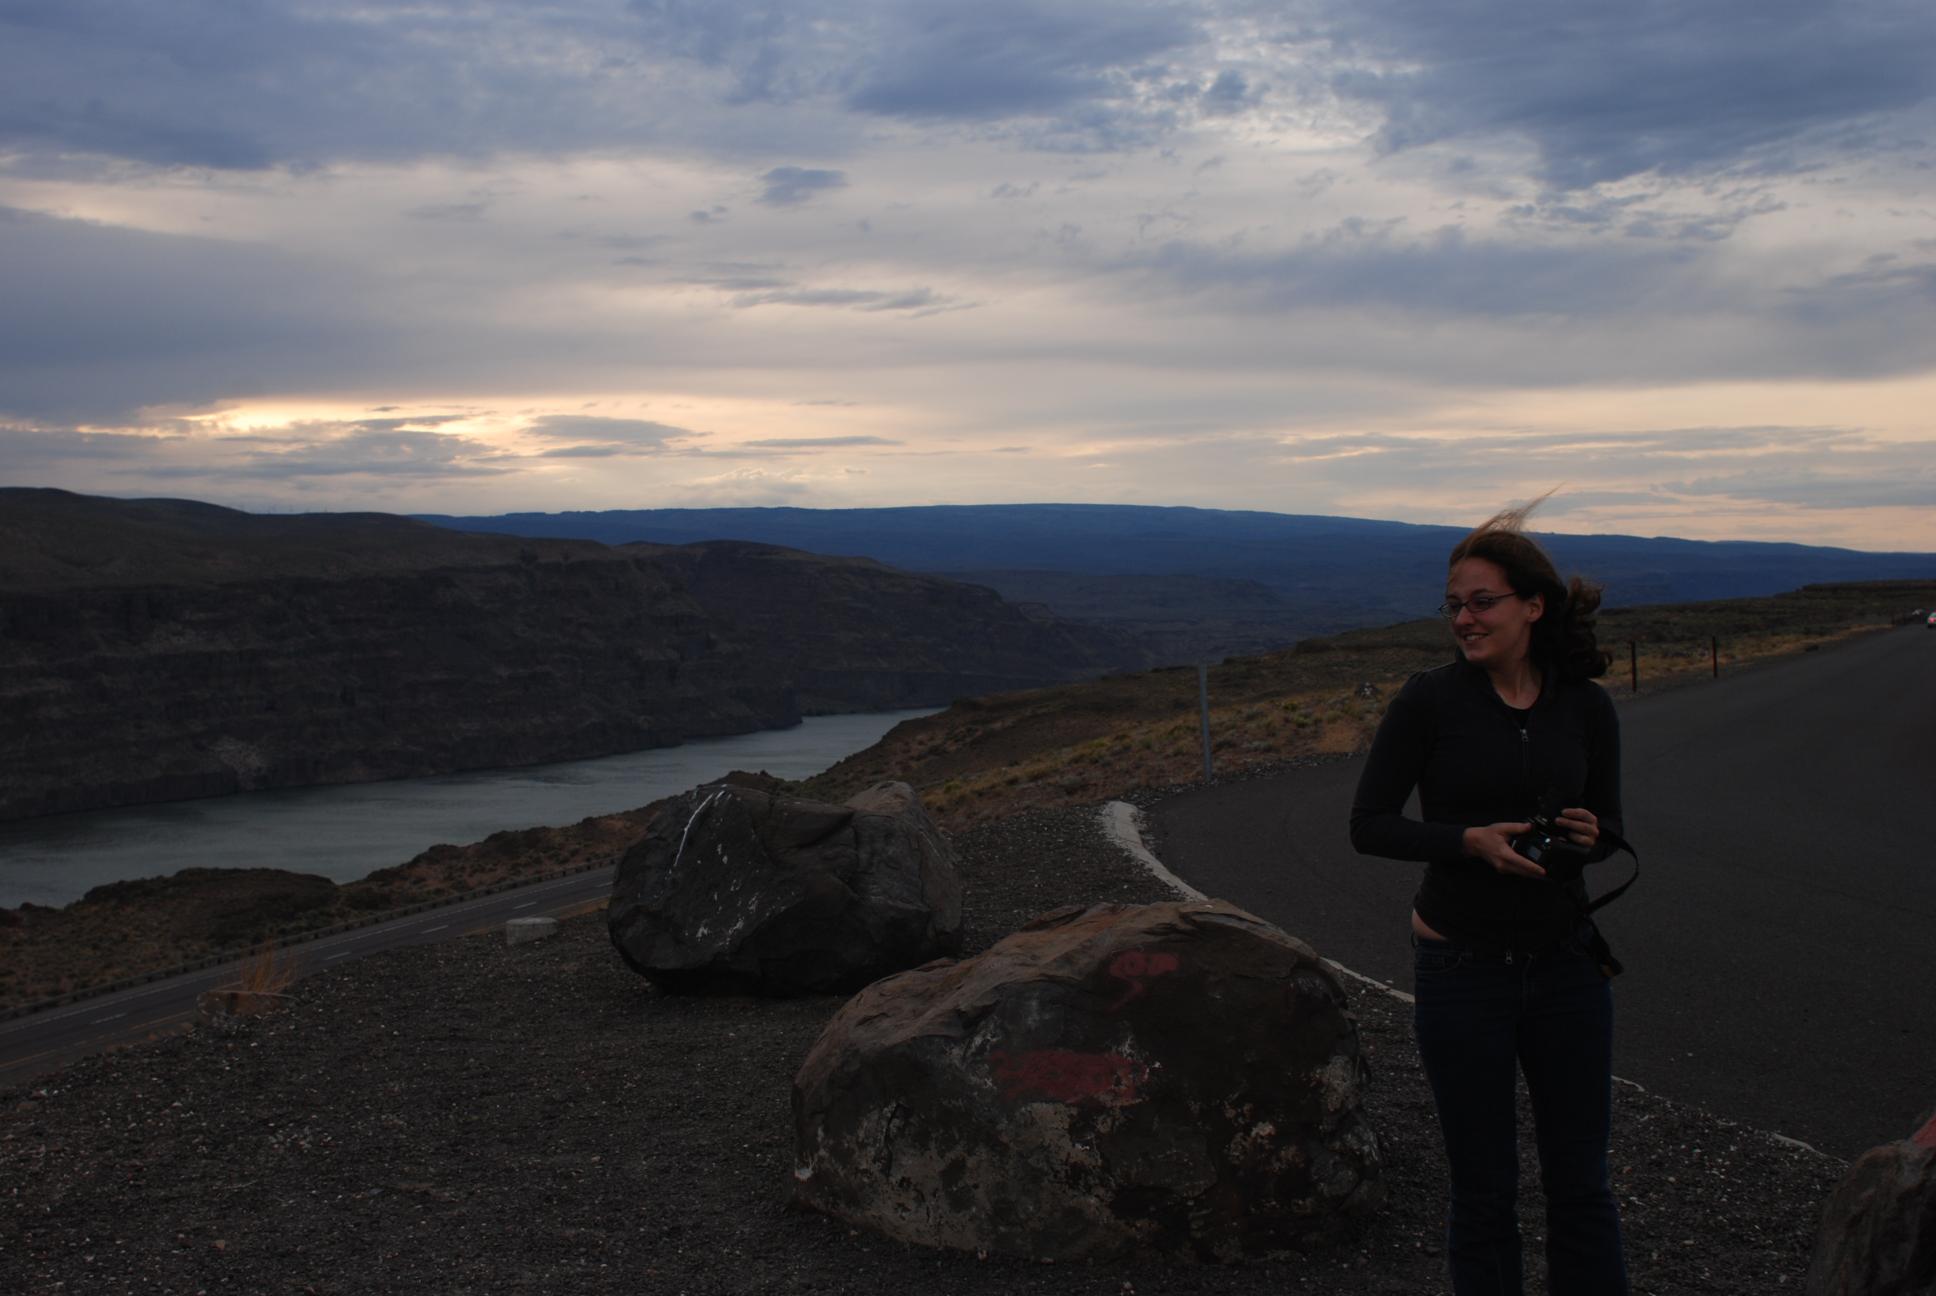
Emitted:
pixel 1192 582
pixel 155 650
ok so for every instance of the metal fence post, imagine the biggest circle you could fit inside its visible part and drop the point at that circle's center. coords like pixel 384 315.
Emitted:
pixel 1203 708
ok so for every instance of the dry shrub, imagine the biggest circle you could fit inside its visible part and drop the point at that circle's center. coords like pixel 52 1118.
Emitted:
pixel 267 970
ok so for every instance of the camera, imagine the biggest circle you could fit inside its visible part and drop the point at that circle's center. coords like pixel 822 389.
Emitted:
pixel 1546 843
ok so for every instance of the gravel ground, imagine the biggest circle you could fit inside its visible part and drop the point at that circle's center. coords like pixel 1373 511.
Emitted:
pixel 474 1118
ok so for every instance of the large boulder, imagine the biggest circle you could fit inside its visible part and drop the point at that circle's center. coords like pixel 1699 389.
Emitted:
pixel 1181 1078
pixel 739 888
pixel 1878 1234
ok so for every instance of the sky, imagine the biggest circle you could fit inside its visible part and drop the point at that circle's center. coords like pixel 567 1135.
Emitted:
pixel 1404 259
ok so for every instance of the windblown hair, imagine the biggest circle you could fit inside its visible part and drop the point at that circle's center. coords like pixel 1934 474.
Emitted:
pixel 1564 636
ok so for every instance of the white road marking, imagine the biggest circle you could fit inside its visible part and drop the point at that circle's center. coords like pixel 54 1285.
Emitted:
pixel 110 1017
pixel 439 927
pixel 526 905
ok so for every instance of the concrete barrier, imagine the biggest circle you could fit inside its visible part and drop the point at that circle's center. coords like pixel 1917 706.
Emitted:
pixel 522 931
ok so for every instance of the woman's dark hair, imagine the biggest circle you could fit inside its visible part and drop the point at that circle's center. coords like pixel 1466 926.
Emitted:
pixel 1564 635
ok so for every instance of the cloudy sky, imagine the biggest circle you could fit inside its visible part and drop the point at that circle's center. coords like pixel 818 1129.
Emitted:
pixel 1406 259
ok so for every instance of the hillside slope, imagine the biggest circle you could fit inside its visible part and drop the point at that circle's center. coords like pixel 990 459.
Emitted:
pixel 161 649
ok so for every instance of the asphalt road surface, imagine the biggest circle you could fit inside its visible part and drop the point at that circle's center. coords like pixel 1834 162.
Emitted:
pixel 42 1042
pixel 1781 942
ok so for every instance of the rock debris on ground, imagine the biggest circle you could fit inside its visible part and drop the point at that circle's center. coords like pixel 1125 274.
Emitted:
pixel 475 1118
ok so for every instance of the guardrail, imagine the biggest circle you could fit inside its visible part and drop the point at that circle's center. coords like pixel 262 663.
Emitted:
pixel 239 953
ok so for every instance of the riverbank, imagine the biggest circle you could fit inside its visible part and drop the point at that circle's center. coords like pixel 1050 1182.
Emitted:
pixel 468 1117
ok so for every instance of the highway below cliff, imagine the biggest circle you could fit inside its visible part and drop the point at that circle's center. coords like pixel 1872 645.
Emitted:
pixel 37 1044
pixel 1779 948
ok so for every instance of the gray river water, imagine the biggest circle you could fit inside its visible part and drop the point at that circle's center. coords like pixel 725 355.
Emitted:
pixel 346 832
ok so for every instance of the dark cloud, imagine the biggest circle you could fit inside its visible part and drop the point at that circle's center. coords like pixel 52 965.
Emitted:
pixel 740 276
pixel 1877 479
pixel 753 284
pixel 467 211
pixel 1447 271
pixel 1551 311
pixel 104 320
pixel 1076 68
pixel 25 448
pixel 789 185
pixel 1811 467
pixel 1607 89
pixel 606 438
pixel 1646 215
pixel 354 450
pixel 918 301
pixel 1009 58
pixel 209 83
pixel 770 50
pixel 589 427
pixel 248 85
pixel 818 443
pixel 1599 89
pixel 1228 94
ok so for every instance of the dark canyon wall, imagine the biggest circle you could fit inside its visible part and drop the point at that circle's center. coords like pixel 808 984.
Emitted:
pixel 155 650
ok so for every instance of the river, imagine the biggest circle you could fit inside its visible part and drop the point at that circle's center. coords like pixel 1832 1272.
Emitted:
pixel 347 831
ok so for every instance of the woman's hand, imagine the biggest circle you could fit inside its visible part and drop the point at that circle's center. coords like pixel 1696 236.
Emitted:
pixel 1582 826
pixel 1493 844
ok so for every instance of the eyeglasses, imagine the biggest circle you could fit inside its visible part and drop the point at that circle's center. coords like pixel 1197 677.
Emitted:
pixel 1479 603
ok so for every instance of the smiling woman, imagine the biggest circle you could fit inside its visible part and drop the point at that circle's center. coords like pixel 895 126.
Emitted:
pixel 1510 972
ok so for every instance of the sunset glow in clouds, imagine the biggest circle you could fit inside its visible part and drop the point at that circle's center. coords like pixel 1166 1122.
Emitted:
pixel 1405 259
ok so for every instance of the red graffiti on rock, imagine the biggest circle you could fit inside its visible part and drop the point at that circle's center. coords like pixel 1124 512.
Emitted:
pixel 1067 1076
pixel 1136 967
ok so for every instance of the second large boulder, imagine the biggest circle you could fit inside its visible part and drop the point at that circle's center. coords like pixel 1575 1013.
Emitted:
pixel 740 888
pixel 1177 1078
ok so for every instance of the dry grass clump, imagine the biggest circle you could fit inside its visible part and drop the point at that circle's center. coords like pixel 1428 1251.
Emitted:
pixel 267 971
pixel 1163 753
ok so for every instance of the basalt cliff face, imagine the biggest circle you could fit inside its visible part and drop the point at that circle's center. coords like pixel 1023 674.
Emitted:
pixel 858 635
pixel 162 649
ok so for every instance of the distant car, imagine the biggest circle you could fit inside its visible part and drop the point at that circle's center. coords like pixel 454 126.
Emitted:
pixel 1931 622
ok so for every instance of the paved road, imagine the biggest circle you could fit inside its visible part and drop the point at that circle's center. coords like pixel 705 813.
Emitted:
pixel 43 1042
pixel 1781 942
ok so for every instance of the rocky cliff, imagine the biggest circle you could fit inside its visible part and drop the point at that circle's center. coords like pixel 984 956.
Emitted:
pixel 857 635
pixel 161 649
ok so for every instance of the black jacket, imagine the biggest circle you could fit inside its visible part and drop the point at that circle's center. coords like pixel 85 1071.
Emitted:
pixel 1475 760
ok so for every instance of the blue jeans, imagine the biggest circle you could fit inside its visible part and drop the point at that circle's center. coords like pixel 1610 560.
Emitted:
pixel 1550 1013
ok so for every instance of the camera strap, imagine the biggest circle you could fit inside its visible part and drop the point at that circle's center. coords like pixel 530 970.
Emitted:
pixel 1619 843
pixel 1610 966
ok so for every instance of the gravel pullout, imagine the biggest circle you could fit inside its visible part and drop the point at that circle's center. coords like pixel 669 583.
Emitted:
pixel 475 1118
